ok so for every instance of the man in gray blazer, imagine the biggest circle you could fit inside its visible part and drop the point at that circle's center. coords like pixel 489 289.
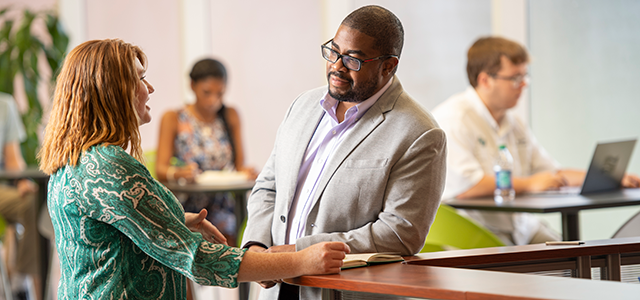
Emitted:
pixel 358 161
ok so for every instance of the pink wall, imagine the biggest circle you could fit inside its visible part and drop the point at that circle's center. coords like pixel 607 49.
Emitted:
pixel 31 4
pixel 156 30
pixel 272 53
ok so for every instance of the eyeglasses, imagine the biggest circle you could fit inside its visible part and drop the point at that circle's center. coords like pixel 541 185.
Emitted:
pixel 516 80
pixel 352 63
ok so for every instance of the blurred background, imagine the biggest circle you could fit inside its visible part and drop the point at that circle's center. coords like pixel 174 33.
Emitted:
pixel 584 62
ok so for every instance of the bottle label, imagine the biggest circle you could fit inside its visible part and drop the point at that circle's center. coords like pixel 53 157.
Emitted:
pixel 503 179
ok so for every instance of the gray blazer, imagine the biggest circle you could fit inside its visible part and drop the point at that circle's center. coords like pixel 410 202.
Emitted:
pixel 380 190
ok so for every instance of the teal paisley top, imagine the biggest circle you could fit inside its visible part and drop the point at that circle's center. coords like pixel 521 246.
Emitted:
pixel 121 235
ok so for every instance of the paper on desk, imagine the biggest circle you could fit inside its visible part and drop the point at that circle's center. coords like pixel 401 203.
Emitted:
pixel 221 177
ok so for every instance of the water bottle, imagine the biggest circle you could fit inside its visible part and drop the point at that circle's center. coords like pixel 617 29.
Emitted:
pixel 504 185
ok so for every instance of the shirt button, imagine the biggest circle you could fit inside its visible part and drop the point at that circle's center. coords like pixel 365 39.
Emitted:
pixel 334 132
pixel 313 225
pixel 283 219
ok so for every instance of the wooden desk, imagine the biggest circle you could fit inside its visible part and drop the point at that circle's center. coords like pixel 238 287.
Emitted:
pixel 567 205
pixel 609 255
pixel 210 188
pixel 451 283
pixel 240 190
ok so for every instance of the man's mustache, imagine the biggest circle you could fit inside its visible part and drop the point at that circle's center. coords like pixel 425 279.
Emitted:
pixel 339 75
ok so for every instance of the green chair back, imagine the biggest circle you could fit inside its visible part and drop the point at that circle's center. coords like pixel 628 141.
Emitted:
pixel 451 230
pixel 4 278
pixel 3 226
pixel 241 233
pixel 150 162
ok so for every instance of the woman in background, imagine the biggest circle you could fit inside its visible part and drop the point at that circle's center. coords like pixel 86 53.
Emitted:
pixel 203 136
pixel 120 234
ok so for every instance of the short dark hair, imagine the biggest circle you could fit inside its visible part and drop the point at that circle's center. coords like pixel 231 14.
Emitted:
pixel 381 24
pixel 208 67
pixel 484 56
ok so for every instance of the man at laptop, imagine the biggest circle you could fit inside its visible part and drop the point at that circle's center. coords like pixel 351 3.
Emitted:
pixel 479 120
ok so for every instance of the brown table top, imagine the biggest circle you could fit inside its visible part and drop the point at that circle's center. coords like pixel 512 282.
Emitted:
pixel 210 188
pixel 453 283
pixel 525 253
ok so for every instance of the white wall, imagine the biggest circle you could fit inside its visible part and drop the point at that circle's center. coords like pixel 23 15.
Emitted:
pixel 584 71
pixel 437 36
pixel 509 20
pixel 586 67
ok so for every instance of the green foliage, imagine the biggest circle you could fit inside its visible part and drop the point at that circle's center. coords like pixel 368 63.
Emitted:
pixel 20 51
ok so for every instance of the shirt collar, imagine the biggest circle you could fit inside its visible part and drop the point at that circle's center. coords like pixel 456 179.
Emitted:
pixel 480 107
pixel 330 104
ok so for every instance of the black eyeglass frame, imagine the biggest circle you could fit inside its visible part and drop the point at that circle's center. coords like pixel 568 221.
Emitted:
pixel 341 56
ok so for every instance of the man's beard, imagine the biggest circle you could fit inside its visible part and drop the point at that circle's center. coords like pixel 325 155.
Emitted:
pixel 364 92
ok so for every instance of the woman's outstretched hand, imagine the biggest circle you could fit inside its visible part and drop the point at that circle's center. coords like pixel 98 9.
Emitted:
pixel 199 223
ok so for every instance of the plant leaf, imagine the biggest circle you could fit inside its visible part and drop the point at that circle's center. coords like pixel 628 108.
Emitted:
pixel 4 10
pixel 19 54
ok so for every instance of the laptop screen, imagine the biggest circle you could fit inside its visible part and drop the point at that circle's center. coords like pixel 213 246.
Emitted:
pixel 608 166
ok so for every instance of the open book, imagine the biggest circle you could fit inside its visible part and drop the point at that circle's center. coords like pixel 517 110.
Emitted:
pixel 366 259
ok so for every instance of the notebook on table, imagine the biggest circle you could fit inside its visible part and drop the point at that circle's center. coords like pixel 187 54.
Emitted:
pixel 606 170
pixel 367 259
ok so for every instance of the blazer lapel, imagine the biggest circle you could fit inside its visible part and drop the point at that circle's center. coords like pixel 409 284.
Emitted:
pixel 299 146
pixel 369 122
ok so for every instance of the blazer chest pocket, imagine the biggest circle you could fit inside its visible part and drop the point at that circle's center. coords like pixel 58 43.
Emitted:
pixel 366 163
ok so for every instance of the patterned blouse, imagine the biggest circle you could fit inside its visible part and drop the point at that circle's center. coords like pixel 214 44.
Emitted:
pixel 121 235
pixel 206 144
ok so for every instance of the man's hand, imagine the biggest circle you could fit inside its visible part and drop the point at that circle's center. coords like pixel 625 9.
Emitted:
pixel 26 186
pixel 324 258
pixel 631 181
pixel 545 181
pixel 199 223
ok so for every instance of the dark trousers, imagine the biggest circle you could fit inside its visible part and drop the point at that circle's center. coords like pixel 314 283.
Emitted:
pixel 289 292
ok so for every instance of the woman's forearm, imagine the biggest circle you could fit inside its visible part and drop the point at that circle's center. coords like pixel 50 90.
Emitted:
pixel 321 258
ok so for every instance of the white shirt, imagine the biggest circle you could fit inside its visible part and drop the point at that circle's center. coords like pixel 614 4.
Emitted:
pixel 11 128
pixel 473 137
pixel 328 136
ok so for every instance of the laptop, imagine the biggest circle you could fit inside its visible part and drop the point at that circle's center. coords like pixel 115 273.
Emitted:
pixel 605 173
pixel 608 165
